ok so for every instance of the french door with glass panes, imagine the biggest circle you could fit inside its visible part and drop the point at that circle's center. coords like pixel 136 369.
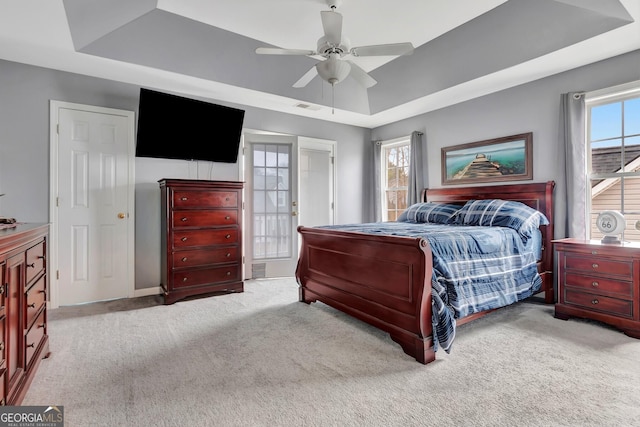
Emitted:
pixel 289 182
pixel 271 207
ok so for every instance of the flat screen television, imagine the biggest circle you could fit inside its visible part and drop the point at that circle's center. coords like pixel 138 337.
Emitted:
pixel 175 127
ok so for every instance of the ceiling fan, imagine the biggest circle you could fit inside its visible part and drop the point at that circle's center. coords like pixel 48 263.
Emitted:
pixel 333 46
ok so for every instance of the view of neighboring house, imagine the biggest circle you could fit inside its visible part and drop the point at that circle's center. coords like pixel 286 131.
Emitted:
pixel 606 193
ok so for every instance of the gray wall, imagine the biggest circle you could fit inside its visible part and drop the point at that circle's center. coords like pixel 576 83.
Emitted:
pixel 24 140
pixel 532 107
pixel 25 92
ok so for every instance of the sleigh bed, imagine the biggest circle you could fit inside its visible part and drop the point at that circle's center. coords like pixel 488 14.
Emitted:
pixel 387 278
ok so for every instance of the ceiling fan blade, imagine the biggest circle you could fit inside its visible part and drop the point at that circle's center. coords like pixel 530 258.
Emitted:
pixel 304 80
pixel 332 24
pixel 361 75
pixel 383 49
pixel 278 51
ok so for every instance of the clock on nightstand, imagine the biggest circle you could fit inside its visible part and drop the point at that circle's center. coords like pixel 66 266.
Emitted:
pixel 611 224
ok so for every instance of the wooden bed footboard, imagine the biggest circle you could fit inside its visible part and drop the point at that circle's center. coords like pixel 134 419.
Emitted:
pixel 386 280
pixel 382 280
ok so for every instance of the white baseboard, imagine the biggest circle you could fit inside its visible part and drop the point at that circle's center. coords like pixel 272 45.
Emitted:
pixel 147 291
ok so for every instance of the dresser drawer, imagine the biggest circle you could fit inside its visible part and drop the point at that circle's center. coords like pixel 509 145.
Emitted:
pixel 3 344
pixel 35 261
pixel 204 218
pixel 35 298
pixel 186 239
pixel 597 284
pixel 592 264
pixel 592 302
pixel 3 400
pixel 204 199
pixel 205 276
pixel 34 337
pixel 205 256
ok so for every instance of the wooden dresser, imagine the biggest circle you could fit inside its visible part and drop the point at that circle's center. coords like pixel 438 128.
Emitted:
pixel 600 282
pixel 23 313
pixel 201 237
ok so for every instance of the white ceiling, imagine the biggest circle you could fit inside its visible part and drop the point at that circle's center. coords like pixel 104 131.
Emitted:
pixel 105 32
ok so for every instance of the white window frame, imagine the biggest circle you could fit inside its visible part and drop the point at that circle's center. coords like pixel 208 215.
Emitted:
pixel 594 99
pixel 385 145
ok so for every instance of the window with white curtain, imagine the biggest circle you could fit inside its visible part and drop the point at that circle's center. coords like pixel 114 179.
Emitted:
pixel 613 156
pixel 395 157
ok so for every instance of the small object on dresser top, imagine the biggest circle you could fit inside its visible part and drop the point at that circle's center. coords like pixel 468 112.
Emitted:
pixel 4 220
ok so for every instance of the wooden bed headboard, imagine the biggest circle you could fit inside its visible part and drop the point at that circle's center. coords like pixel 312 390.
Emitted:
pixel 537 195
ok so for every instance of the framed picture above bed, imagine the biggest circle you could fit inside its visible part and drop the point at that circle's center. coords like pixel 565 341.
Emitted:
pixel 509 158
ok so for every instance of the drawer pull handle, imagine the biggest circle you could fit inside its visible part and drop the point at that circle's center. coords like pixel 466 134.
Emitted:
pixel 594 265
pixel 228 254
pixel 41 257
pixel 32 265
pixel 32 345
pixel 184 259
pixel 228 236
pixel 32 305
pixel 1 345
pixel 227 217
pixel 228 273
pixel 184 279
pixel 184 199
pixel 184 239
pixel 595 284
pixel 594 301
pixel 41 325
pixel 184 219
pixel 227 199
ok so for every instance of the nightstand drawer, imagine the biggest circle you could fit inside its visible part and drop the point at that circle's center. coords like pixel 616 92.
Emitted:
pixel 592 302
pixel 592 264
pixel 597 284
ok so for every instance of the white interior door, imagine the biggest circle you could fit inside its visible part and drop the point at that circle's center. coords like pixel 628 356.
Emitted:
pixel 289 181
pixel 93 212
pixel 316 182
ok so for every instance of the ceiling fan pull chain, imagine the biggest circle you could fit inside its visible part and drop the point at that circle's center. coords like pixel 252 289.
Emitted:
pixel 332 98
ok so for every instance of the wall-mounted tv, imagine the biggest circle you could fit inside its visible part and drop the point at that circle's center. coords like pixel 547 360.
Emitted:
pixel 175 127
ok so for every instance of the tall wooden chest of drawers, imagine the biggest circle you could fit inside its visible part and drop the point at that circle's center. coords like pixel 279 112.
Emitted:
pixel 600 282
pixel 201 237
pixel 23 308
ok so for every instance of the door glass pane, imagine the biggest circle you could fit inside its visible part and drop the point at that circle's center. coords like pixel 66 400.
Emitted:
pixel 272 201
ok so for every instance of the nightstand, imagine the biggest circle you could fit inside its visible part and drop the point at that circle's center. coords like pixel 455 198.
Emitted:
pixel 600 282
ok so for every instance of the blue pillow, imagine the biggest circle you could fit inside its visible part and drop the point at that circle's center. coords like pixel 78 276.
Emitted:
pixel 503 213
pixel 431 212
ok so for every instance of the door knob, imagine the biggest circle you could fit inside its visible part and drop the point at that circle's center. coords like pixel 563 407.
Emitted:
pixel 121 215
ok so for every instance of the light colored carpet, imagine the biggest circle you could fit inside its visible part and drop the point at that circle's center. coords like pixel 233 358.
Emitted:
pixel 260 358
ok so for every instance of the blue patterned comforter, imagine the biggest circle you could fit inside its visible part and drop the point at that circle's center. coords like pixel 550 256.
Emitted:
pixel 475 268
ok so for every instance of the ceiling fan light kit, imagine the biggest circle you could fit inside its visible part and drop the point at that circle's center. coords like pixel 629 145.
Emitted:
pixel 333 46
pixel 333 70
